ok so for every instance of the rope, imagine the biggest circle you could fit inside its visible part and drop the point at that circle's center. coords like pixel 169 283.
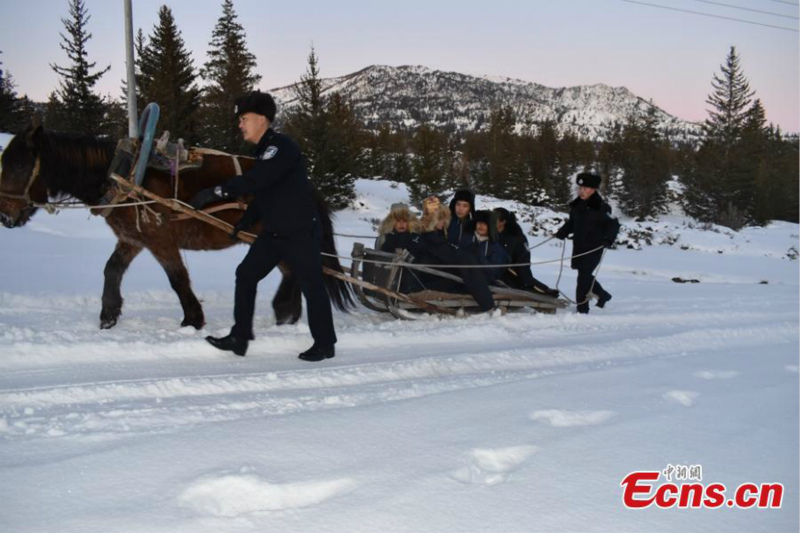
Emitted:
pixel 594 276
pixel 375 236
pixel 509 265
pixel 541 243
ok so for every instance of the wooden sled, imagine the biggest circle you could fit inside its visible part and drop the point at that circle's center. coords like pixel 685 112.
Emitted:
pixel 386 271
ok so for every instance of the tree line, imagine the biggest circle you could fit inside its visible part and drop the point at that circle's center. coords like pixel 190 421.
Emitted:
pixel 742 171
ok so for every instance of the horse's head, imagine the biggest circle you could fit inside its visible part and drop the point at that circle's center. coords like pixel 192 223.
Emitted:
pixel 18 174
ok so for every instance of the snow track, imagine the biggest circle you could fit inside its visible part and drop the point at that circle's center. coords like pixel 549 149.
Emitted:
pixel 108 408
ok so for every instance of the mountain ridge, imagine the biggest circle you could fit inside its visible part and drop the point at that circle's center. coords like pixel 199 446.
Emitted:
pixel 410 95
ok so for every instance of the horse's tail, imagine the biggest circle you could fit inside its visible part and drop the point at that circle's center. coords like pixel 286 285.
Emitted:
pixel 340 292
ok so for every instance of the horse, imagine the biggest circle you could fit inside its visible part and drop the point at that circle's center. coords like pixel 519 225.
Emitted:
pixel 40 167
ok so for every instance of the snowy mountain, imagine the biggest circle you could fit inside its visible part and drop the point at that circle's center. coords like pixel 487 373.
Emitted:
pixel 407 96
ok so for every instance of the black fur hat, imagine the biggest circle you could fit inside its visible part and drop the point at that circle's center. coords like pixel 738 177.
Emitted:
pixel 484 216
pixel 490 219
pixel 585 179
pixel 512 227
pixel 464 195
pixel 256 102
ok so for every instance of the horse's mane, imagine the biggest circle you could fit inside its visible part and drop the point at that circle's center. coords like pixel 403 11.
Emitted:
pixel 75 165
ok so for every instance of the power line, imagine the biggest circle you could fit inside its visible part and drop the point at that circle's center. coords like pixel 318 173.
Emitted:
pixel 784 2
pixel 748 9
pixel 713 16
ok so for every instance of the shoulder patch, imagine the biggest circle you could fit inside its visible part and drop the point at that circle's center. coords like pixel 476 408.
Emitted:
pixel 270 152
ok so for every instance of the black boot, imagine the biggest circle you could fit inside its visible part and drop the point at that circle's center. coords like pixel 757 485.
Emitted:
pixel 601 300
pixel 230 343
pixel 318 353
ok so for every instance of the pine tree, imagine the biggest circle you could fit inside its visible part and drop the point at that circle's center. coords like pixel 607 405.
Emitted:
pixel 307 123
pixel 644 163
pixel 501 149
pixel 81 110
pixel 139 44
pixel 729 102
pixel 230 74
pixel 428 165
pixel 528 172
pixel 330 137
pixel 166 75
pixel 378 157
pixel 26 112
pixel 555 172
pixel 342 158
pixel 719 185
pixel 9 103
pixel 783 155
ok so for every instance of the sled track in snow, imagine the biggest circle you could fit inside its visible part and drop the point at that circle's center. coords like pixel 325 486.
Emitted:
pixel 113 409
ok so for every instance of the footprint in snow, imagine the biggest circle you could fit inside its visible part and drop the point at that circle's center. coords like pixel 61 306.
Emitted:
pixel 716 374
pixel 685 398
pixel 560 418
pixel 236 494
pixel 487 466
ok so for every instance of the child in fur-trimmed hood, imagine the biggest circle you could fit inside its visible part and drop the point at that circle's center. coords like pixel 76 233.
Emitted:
pixel 397 228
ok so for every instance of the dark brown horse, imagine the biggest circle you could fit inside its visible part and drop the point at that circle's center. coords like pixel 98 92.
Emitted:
pixel 39 166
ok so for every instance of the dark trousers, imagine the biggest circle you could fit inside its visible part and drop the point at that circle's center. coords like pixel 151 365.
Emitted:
pixel 474 283
pixel 301 253
pixel 522 278
pixel 585 279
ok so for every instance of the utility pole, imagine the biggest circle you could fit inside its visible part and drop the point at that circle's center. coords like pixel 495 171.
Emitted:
pixel 133 124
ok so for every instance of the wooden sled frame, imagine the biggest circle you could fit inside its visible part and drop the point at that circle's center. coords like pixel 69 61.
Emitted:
pixel 388 277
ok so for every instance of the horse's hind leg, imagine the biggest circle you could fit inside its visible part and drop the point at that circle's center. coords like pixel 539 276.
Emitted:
pixel 169 258
pixel 116 266
pixel 288 303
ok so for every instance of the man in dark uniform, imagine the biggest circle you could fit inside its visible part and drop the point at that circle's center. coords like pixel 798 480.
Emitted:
pixel 592 226
pixel 291 230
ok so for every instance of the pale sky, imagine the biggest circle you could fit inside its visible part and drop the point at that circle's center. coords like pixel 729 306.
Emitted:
pixel 665 55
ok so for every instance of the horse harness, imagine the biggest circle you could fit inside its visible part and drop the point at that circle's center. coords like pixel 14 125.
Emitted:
pixel 121 192
pixel 118 193
pixel 26 194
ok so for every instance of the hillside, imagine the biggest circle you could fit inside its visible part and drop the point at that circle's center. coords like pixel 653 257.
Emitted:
pixel 407 96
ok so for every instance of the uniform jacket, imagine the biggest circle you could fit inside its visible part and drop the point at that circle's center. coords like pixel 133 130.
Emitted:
pixel 592 225
pixel 279 181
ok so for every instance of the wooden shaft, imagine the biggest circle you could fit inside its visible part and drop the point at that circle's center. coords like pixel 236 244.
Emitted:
pixel 177 206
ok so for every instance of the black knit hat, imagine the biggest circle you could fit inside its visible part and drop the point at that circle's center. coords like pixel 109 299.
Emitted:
pixel 586 179
pixel 256 102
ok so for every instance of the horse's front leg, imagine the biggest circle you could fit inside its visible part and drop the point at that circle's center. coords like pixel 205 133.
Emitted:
pixel 169 257
pixel 116 266
pixel 288 304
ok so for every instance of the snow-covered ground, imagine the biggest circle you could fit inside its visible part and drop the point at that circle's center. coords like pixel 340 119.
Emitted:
pixel 524 422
